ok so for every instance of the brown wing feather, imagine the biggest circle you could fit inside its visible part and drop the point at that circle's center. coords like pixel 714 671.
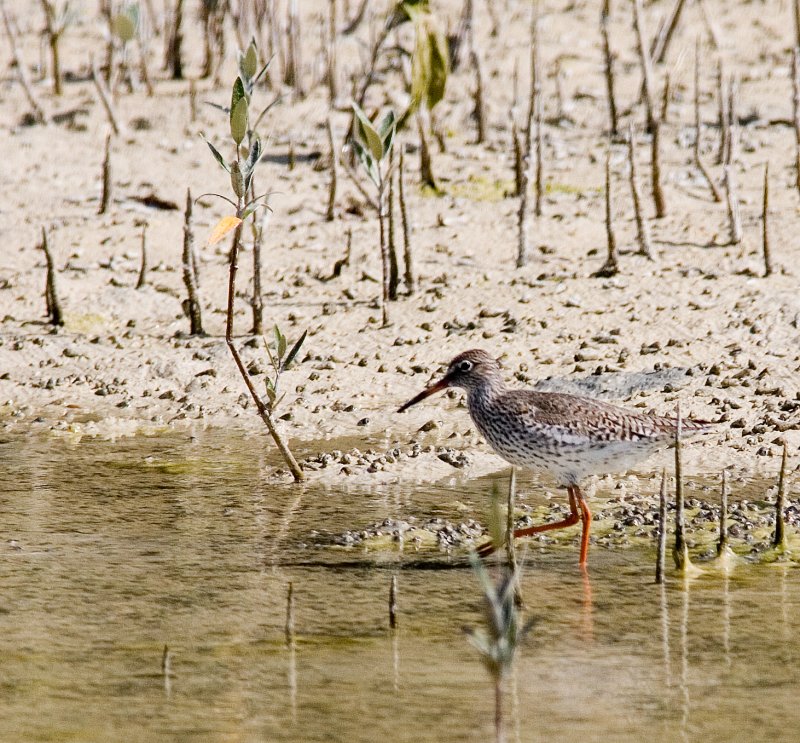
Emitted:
pixel 594 419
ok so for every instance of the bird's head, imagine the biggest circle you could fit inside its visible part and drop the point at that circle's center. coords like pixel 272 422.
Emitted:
pixel 467 371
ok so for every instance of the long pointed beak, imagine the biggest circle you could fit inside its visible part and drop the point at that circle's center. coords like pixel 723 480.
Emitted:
pixel 442 384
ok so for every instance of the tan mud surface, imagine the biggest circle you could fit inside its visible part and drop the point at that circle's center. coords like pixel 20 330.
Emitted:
pixel 122 364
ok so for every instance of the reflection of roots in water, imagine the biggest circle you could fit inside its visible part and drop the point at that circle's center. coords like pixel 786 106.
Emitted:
pixel 684 682
pixel 515 722
pixel 292 680
pixel 665 635
pixel 726 617
pixel 396 658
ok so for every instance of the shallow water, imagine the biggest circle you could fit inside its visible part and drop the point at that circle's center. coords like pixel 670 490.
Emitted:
pixel 110 551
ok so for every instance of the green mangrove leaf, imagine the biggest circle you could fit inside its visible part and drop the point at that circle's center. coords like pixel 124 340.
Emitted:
pixel 217 156
pixel 239 120
pixel 237 92
pixel 368 133
pixel 387 131
pixel 237 179
pixel 271 392
pixel 252 160
pixel 280 342
pixel 248 63
pixel 294 351
pixel 255 153
pixel 367 161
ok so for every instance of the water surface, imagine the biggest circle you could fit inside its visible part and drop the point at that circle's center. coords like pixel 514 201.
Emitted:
pixel 110 551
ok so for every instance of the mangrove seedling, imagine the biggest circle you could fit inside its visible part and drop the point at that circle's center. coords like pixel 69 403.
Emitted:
pixel 241 169
pixel 373 146
pixel 250 75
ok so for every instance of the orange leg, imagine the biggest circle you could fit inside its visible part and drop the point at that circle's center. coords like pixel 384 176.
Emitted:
pixel 586 521
pixel 488 547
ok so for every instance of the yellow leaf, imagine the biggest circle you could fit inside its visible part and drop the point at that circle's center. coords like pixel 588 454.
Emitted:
pixel 222 228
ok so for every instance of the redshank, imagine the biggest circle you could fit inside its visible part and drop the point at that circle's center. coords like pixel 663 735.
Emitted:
pixel 569 437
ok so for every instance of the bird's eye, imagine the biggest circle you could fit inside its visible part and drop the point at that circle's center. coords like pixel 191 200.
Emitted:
pixel 464 366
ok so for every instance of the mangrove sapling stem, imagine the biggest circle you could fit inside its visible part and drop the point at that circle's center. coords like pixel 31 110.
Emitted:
pixel 796 111
pixel 55 315
pixel 394 271
pixel 173 58
pixel 537 207
pixel 463 36
pixel 330 213
pixel 713 33
pixel 192 305
pixel 659 201
pixel 662 41
pixel 611 266
pixel 263 411
pixel 518 156
pixel 723 123
pixel 257 301
pixel 765 246
pixel 779 537
pixel 384 245
pixel 331 74
pixel 291 73
pixel 609 69
pixel 733 99
pixel 642 228
pixel 680 552
pixel 479 111
pixel 142 280
pixel 289 627
pixel 732 201
pixel 646 62
pixel 192 101
pixel 662 528
pixel 53 30
pixel 393 603
pixel 698 128
pixel 522 217
pixel 105 98
pixel 22 70
pixel 425 164
pixel 105 198
pixel 722 542
pixel 796 19
pixel 142 47
pixel 408 260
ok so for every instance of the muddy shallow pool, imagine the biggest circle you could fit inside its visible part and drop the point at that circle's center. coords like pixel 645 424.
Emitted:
pixel 112 551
